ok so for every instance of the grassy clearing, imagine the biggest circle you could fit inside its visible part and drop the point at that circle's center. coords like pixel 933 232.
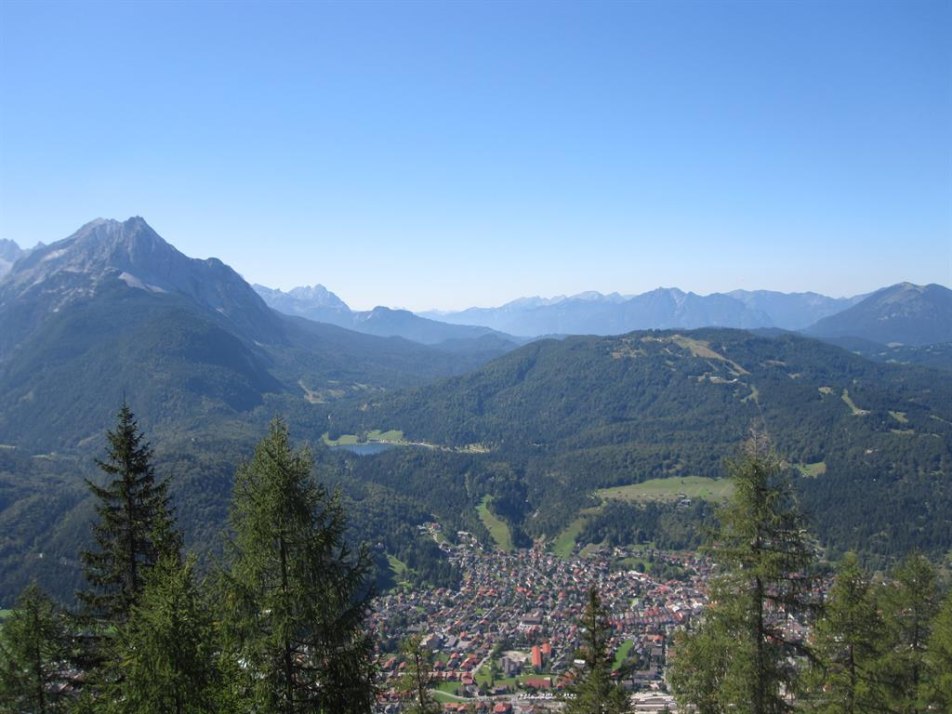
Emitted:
pixel 497 528
pixel 671 489
pixel 443 697
pixel 702 349
pixel 622 653
pixel 565 542
pixel 852 405
pixel 900 417
pixel 398 567
pixel 811 470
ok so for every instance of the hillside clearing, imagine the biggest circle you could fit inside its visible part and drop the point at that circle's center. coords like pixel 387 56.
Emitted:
pixel 670 489
pixel 496 527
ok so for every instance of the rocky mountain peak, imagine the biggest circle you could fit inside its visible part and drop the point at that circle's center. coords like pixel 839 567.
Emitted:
pixel 105 250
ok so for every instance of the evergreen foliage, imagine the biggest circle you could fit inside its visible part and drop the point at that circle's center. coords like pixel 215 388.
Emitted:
pixel 938 688
pixel 135 526
pixel 166 655
pixel 33 651
pixel 295 596
pixel 909 601
pixel 765 559
pixel 848 646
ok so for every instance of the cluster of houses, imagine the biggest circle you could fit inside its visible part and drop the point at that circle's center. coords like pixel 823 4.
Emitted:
pixel 508 636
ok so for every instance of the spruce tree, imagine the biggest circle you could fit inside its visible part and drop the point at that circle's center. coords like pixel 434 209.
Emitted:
pixel 593 691
pixel 33 653
pixel 765 559
pixel 297 595
pixel 166 653
pixel 135 526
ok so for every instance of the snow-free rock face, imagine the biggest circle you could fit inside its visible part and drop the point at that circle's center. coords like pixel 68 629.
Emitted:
pixel 104 252
pixel 315 302
pixel 10 252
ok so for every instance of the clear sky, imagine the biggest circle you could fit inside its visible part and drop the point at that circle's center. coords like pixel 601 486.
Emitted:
pixel 449 154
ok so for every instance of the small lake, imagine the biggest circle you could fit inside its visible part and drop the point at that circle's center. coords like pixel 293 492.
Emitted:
pixel 366 449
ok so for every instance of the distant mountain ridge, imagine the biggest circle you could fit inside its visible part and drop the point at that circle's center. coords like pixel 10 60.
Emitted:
pixel 321 305
pixel 903 318
pixel 903 314
pixel 663 308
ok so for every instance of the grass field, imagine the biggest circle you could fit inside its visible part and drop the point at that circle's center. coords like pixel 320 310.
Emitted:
pixel 622 653
pixel 564 544
pixel 671 489
pixel 812 470
pixel 659 489
pixel 398 567
pixel 497 528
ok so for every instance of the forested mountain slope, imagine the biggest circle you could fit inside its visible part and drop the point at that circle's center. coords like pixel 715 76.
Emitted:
pixel 873 441
pixel 115 310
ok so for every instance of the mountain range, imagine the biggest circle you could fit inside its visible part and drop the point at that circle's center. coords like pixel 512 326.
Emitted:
pixel 114 313
pixel 900 315
pixel 114 309
pixel 903 315
pixel 664 308
pixel 317 303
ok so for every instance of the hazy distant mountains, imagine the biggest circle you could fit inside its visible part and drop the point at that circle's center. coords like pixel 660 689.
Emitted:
pixel 903 314
pixel 321 305
pixel 592 313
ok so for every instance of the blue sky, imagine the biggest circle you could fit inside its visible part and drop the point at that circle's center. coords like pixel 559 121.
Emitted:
pixel 449 154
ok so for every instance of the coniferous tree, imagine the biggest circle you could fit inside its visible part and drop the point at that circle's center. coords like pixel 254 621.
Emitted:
pixel 847 646
pixel 765 558
pixel 909 603
pixel 166 654
pixel 297 594
pixel 33 653
pixel 593 691
pixel 938 686
pixel 135 526
pixel 698 666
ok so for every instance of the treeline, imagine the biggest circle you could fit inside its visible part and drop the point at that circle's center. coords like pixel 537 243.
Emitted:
pixel 279 626
pixel 776 638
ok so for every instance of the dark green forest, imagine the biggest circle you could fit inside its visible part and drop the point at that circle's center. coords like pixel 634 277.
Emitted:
pixel 540 431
